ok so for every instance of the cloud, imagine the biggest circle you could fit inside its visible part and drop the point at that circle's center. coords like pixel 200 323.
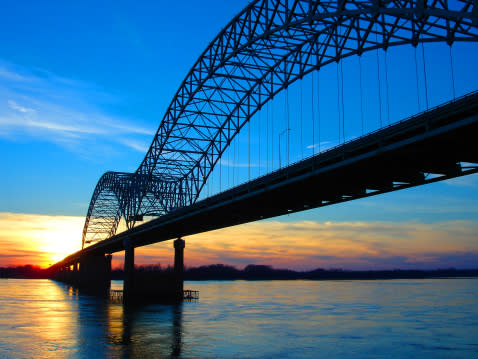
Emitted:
pixel 302 245
pixel 11 76
pixel 136 145
pixel 227 163
pixel 13 105
pixel 323 145
pixel 310 244
pixel 39 105
pixel 421 203
pixel 427 261
pixel 466 181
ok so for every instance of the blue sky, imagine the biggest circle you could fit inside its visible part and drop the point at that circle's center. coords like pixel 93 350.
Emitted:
pixel 84 86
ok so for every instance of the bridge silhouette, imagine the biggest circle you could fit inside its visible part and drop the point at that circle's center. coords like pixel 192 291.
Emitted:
pixel 266 48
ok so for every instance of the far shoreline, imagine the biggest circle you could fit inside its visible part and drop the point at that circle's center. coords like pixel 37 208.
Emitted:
pixel 259 272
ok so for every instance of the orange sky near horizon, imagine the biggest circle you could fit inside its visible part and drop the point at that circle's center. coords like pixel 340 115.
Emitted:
pixel 302 245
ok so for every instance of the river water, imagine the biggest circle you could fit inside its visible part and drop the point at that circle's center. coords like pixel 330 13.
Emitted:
pixel 433 318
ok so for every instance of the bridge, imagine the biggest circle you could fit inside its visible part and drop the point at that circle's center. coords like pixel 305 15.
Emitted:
pixel 260 54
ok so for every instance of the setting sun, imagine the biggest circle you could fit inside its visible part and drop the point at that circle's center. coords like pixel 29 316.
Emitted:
pixel 59 240
pixel 39 239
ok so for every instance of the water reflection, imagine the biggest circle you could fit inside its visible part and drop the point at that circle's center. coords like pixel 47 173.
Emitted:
pixel 306 319
pixel 45 319
pixel 177 330
pixel 73 292
pixel 113 330
pixel 37 319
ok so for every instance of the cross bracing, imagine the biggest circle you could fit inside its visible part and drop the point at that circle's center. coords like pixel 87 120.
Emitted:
pixel 265 48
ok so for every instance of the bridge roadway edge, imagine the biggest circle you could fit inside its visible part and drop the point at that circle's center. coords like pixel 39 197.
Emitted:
pixel 393 158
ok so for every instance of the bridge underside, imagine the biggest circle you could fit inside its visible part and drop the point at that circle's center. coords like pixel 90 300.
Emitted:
pixel 436 145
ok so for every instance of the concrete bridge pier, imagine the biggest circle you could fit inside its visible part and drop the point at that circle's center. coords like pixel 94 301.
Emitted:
pixel 153 286
pixel 179 245
pixel 94 273
pixel 128 282
pixel 91 273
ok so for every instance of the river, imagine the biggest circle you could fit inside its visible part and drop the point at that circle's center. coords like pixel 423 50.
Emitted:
pixel 247 319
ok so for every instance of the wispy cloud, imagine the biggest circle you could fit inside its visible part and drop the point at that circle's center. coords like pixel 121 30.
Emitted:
pixel 40 105
pixel 310 244
pixel 418 203
pixel 11 75
pixel 324 144
pixel 136 145
pixel 227 163
pixel 468 181
pixel 14 106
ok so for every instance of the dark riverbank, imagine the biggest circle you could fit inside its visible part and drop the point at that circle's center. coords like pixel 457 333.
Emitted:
pixel 260 272
pixel 26 272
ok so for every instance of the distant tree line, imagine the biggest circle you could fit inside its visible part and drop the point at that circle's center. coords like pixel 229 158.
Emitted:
pixel 265 272
pixel 26 271
pixel 256 272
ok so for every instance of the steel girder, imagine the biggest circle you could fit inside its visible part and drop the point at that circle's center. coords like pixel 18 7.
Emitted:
pixel 112 198
pixel 265 48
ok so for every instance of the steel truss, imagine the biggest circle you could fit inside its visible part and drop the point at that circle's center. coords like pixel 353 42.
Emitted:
pixel 265 48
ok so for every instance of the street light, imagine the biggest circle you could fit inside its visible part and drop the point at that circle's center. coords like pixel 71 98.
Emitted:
pixel 280 134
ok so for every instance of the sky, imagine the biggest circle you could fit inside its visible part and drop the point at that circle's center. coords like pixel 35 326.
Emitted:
pixel 84 86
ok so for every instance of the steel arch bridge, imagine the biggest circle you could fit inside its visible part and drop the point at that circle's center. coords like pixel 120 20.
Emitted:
pixel 265 48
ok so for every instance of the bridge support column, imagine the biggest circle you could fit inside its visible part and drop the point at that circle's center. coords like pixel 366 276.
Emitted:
pixel 179 245
pixel 128 271
pixel 91 273
pixel 108 259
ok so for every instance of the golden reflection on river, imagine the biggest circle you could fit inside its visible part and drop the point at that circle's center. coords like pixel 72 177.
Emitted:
pixel 44 319
pixel 38 318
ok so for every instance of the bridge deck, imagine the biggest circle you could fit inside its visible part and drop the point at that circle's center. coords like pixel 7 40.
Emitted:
pixel 435 145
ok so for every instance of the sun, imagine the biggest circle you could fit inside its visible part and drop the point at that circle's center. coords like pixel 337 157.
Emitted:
pixel 60 242
pixel 38 239
pixel 57 237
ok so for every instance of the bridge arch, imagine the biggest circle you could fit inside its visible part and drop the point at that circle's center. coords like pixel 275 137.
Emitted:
pixel 105 209
pixel 265 48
